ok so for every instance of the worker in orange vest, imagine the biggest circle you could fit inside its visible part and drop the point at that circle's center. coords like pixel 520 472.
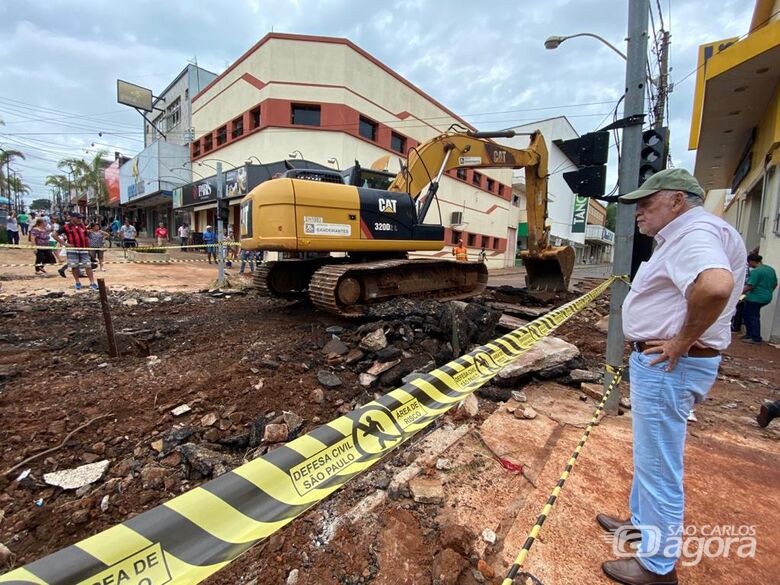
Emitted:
pixel 460 253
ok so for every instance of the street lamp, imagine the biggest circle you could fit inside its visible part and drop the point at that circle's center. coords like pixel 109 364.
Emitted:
pixel 334 161
pixel 249 160
pixel 555 41
pixel 295 154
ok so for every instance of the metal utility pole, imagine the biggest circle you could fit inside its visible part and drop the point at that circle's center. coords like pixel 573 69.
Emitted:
pixel 663 81
pixel 220 239
pixel 628 180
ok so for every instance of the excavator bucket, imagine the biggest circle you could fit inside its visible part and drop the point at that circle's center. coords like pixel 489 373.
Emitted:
pixel 550 270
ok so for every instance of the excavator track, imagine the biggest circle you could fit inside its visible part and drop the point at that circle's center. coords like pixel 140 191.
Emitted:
pixel 286 279
pixel 349 289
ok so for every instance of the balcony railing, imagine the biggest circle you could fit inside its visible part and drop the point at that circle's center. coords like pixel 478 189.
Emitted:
pixel 600 234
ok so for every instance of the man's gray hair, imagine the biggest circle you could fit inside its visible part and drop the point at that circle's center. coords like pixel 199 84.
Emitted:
pixel 693 200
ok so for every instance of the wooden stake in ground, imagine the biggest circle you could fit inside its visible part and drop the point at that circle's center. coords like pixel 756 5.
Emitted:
pixel 112 349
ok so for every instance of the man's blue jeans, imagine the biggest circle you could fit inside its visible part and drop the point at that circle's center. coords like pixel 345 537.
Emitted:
pixel 752 317
pixel 660 403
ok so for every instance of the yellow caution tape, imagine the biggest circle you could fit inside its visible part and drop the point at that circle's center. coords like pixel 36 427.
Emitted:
pixel 512 574
pixel 192 536
pixel 169 261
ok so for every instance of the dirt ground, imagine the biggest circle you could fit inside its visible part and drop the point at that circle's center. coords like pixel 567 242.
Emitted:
pixel 244 357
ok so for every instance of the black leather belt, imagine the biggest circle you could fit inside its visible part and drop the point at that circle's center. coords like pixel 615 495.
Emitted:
pixel 704 352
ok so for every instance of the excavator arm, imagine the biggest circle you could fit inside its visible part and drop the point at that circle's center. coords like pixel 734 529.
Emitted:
pixel 548 268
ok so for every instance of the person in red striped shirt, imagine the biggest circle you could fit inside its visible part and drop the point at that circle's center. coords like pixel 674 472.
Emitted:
pixel 76 234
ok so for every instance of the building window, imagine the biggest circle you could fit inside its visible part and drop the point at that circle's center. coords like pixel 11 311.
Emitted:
pixel 461 174
pixel 472 240
pixel 455 237
pixel 516 200
pixel 238 127
pixel 196 148
pixel 305 115
pixel 397 143
pixel 173 114
pixel 485 241
pixel 496 243
pixel 222 136
pixel 367 128
pixel 254 117
pixel 207 143
pixel 476 179
pixel 491 186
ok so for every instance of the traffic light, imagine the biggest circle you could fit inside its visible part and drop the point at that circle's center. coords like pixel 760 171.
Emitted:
pixel 223 210
pixel 655 152
pixel 589 152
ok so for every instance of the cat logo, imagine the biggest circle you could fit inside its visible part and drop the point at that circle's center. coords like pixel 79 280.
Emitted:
pixel 387 205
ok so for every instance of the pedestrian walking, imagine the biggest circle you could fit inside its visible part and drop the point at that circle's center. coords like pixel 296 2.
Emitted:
pixel 758 291
pixel 460 252
pixel 677 317
pixel 128 234
pixel 97 239
pixel 210 238
pixel 24 222
pixel 247 257
pixel 483 256
pixel 114 231
pixel 184 236
pixel 39 236
pixel 161 233
pixel 12 228
pixel 76 235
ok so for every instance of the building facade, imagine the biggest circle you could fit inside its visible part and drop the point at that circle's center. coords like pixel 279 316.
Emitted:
pixel 735 131
pixel 147 180
pixel 328 101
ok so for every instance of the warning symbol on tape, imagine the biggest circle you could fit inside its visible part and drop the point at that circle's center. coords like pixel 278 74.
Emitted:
pixel 375 430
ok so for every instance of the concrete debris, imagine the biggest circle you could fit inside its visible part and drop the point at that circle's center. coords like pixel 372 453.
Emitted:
pixel 380 367
pixel 293 421
pixel 130 302
pixel 529 413
pixel 335 345
pixel 317 395
pixel 260 384
pixel 204 460
pixel 485 569
pixel 510 323
pixel 374 341
pixel 150 300
pixel 334 329
pixel 157 445
pixel 180 410
pixel 209 419
pixel 603 324
pixel 443 464
pixel 519 396
pixel 354 356
pixel 104 503
pixel 489 536
pixel 470 405
pixel 366 379
pixel 388 354
pixel 292 578
pixel 584 376
pixel 427 491
pixel 625 402
pixel 594 391
pixel 548 352
pixel 276 433
pixel 328 379
pixel 72 479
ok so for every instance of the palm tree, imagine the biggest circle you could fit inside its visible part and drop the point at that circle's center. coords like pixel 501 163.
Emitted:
pixel 97 177
pixel 77 171
pixel 59 185
pixel 6 157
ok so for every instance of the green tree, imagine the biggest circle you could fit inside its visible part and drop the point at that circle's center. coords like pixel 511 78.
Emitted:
pixel 59 187
pixel 611 216
pixel 40 205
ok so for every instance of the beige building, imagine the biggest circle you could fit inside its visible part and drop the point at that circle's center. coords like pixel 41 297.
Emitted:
pixel 736 133
pixel 328 101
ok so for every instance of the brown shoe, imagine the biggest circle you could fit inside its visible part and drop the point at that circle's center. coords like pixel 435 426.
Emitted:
pixel 630 572
pixel 611 524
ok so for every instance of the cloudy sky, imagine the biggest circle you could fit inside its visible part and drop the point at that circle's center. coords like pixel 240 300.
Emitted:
pixel 59 60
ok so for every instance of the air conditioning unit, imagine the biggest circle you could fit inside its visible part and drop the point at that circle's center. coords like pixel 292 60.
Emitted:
pixel 456 218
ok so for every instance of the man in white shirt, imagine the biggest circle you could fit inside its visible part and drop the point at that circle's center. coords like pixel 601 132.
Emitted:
pixel 677 317
pixel 184 236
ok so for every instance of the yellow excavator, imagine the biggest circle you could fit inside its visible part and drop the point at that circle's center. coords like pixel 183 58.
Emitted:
pixel 309 214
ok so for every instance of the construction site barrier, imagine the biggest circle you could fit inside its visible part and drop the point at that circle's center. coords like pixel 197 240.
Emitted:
pixel 119 246
pixel 196 534
pixel 521 557
pixel 168 261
